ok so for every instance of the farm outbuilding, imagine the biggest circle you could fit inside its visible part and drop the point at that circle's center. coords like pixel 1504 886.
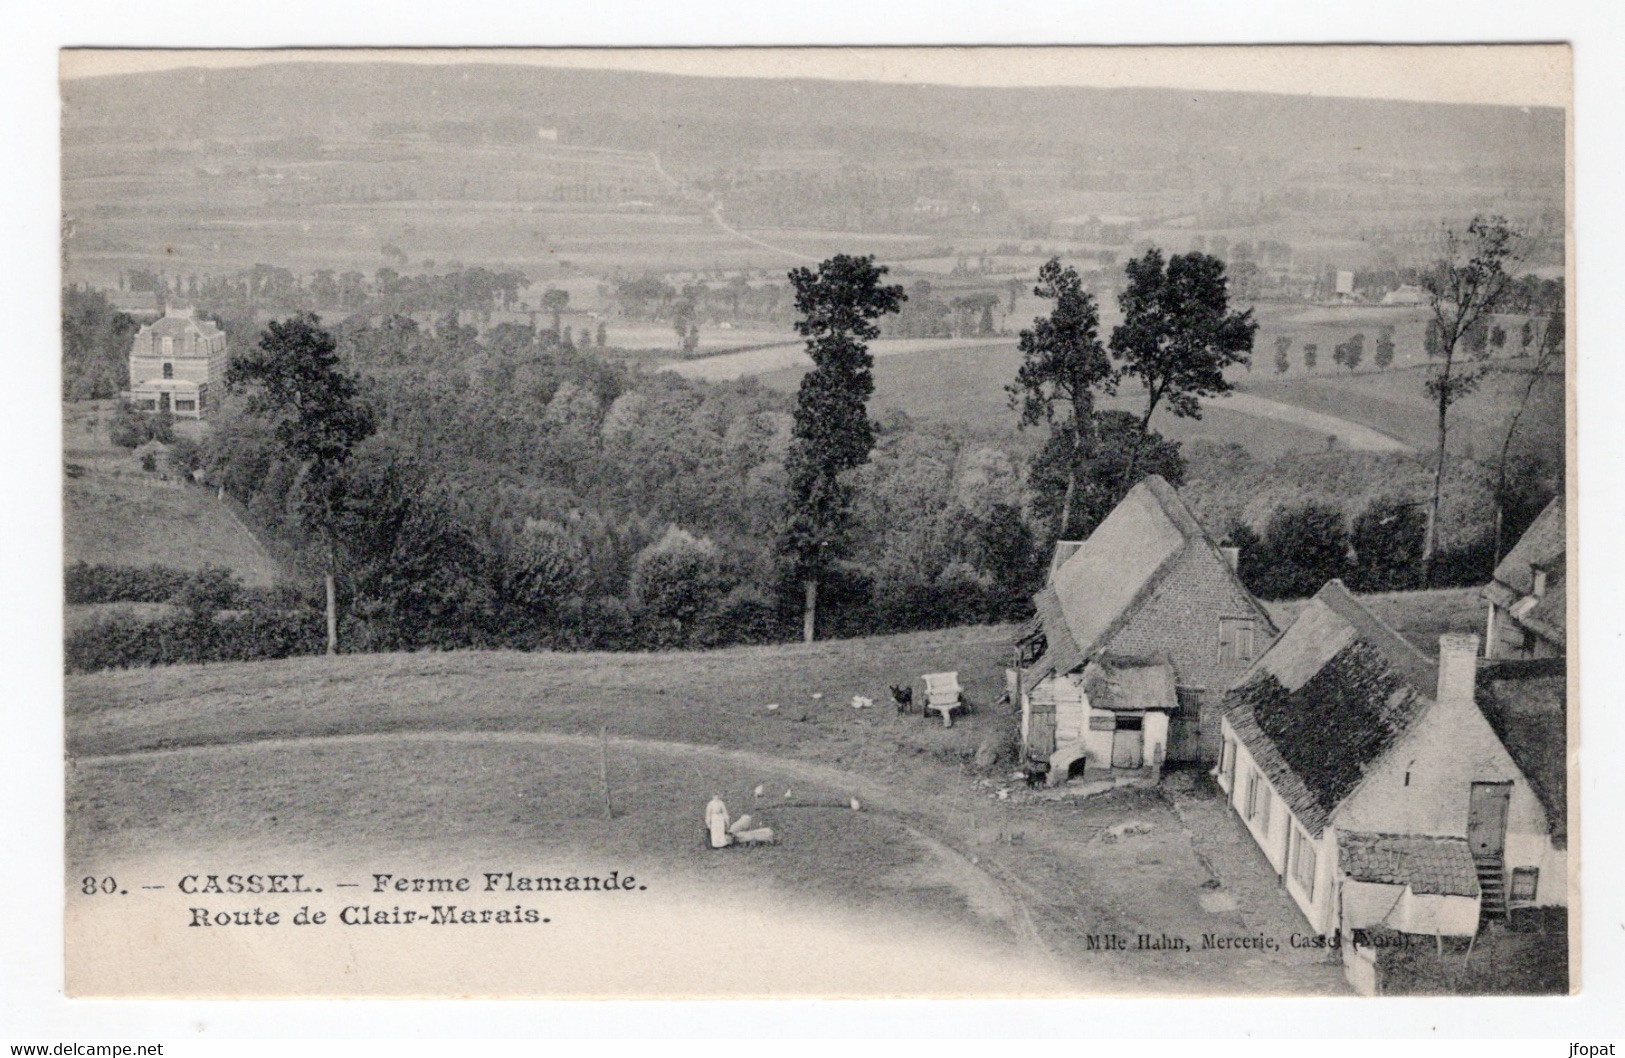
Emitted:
pixel 1528 597
pixel 1138 633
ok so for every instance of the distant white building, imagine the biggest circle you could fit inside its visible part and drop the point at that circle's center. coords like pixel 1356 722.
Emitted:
pixel 1407 294
pixel 177 364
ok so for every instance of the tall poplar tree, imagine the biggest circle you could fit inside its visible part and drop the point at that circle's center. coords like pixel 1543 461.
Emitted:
pixel 832 434
pixel 1466 284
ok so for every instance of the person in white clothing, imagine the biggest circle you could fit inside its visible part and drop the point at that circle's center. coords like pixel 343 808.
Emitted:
pixel 716 821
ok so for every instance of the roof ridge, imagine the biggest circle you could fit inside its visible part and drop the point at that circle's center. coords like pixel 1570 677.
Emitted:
pixel 1342 602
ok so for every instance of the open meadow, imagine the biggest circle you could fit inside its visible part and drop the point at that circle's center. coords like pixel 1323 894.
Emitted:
pixel 464 762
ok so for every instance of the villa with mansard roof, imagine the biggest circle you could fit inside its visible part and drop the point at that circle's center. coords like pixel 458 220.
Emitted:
pixel 177 365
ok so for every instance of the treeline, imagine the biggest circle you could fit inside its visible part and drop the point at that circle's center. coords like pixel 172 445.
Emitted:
pixel 273 289
pixel 96 340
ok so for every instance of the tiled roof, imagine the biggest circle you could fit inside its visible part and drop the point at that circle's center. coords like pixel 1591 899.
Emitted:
pixel 1326 701
pixel 1111 570
pixel 1429 865
pixel 1525 702
pixel 1064 549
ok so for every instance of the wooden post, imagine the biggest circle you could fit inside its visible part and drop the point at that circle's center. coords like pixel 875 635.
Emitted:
pixel 603 770
pixel 332 615
pixel 809 613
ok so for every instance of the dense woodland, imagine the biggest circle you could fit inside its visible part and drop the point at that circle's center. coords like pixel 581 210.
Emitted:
pixel 517 489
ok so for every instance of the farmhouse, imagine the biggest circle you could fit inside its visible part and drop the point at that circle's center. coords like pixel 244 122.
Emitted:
pixel 1138 633
pixel 176 364
pixel 1376 787
pixel 1527 597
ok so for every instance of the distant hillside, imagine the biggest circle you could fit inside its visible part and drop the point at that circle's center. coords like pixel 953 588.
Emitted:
pixel 717 116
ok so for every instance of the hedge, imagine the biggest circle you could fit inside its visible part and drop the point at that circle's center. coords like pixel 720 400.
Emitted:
pixel 86 583
pixel 125 641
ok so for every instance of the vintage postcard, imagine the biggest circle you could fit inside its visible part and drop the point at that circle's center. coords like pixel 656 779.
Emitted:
pixel 981 522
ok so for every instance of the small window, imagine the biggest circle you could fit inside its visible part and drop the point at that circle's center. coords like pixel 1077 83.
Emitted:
pixel 149 405
pixel 1235 639
pixel 169 370
pixel 1525 881
pixel 185 405
pixel 1258 800
pixel 1227 761
pixel 1303 862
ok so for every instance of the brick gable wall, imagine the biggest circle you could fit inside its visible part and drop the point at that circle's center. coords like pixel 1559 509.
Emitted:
pixel 1181 621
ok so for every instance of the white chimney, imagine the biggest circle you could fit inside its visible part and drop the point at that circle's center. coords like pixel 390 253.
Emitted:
pixel 1458 668
pixel 1232 555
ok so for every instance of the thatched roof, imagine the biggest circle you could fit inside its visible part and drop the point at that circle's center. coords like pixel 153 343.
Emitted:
pixel 1323 705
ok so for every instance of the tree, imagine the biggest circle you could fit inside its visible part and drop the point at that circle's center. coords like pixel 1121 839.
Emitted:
pixel 1387 540
pixel 1382 357
pixel 1283 344
pixel 1178 333
pixel 1094 479
pixel 318 418
pixel 1464 286
pixel 1354 351
pixel 1063 364
pixel 1306 545
pixel 1549 352
pixel 831 434
pixel 556 301
pixel 678 581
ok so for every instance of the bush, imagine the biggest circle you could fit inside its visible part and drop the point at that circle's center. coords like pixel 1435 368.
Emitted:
pixel 678 582
pixel 607 624
pixel 1304 547
pixel 745 615
pixel 1388 537
pixel 208 591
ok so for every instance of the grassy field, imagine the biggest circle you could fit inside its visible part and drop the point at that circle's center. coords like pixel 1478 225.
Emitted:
pixel 965 385
pixel 117 513
pixel 1395 403
pixel 455 761
pixel 1420 616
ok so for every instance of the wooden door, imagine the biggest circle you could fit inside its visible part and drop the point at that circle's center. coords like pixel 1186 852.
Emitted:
pixel 1128 743
pixel 1487 819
